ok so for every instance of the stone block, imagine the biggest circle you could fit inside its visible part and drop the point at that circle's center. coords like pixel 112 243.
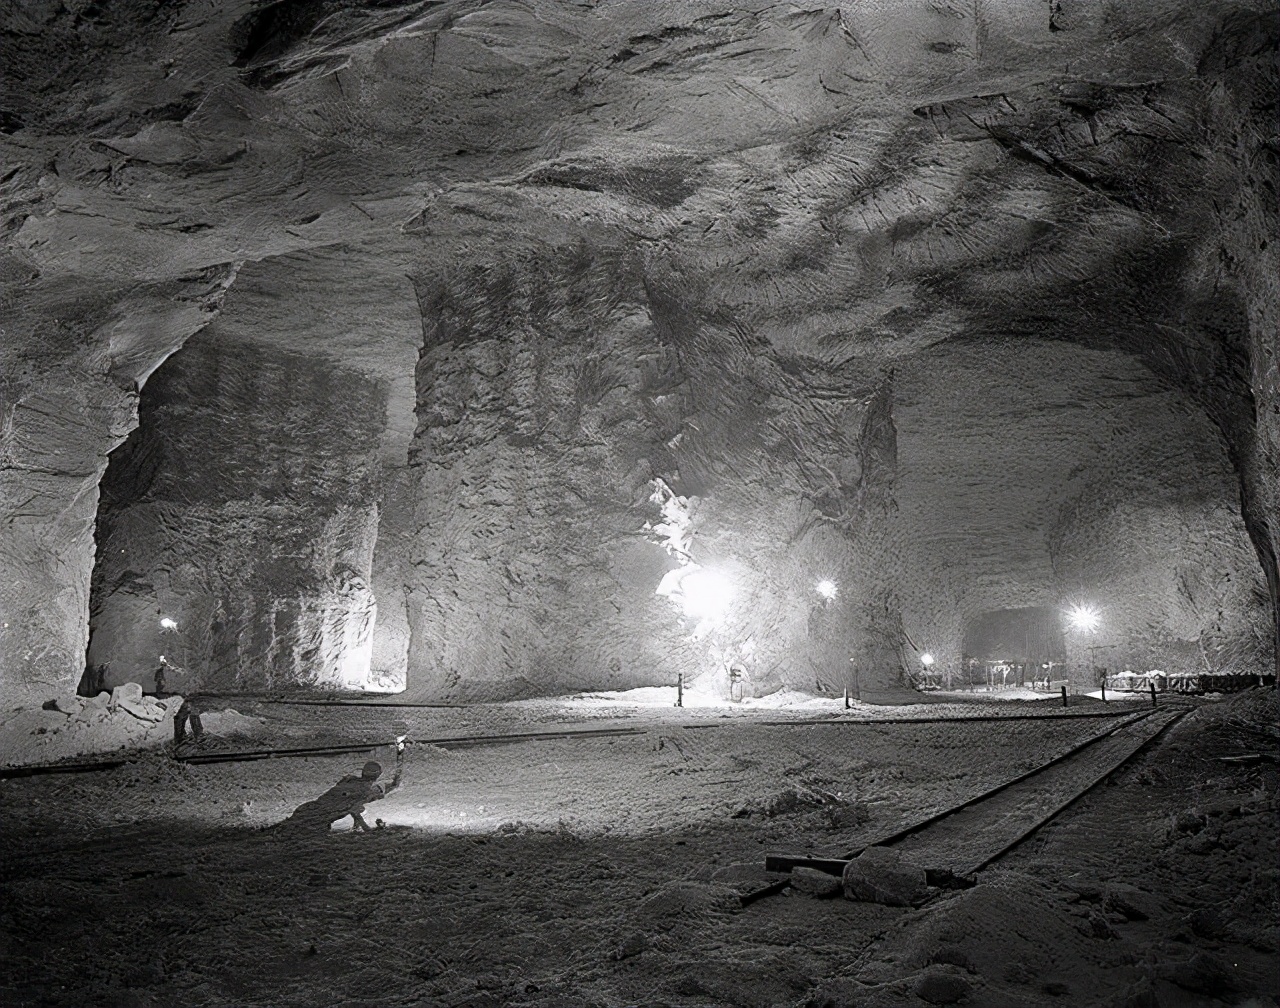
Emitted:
pixel 129 692
pixel 880 875
pixel 814 882
pixel 68 705
pixel 142 711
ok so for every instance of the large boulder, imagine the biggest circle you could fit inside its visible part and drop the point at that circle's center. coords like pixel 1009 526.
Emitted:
pixel 129 692
pixel 880 875
pixel 144 711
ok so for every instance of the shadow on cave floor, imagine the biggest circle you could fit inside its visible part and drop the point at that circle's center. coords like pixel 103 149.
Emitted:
pixel 605 872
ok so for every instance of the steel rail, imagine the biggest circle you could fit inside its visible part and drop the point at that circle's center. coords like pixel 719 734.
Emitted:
pixel 1076 796
pixel 779 860
pixel 835 866
pixel 945 720
pixel 1062 757
pixel 40 769
pixel 321 702
pixel 303 752
pixel 450 742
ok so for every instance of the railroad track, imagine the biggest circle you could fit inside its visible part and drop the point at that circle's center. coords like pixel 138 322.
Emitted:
pixel 958 842
pixel 457 742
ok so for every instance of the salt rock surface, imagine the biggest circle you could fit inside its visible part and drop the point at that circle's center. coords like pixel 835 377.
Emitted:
pixel 814 882
pixel 1011 935
pixel 881 875
pixel 853 282
pixel 684 899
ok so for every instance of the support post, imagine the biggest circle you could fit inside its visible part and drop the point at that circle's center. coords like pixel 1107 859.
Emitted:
pixel 846 698
pixel 679 689
pixel 1153 694
pixel 1104 690
pixel 1064 696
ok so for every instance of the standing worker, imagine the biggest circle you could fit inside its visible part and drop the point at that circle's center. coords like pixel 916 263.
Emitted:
pixel 161 675
pixel 737 681
pixel 189 712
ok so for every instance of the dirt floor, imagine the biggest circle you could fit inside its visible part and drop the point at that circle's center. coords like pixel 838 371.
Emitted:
pixel 605 870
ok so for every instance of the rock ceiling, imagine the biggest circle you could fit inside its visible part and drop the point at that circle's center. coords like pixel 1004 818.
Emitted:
pixel 577 248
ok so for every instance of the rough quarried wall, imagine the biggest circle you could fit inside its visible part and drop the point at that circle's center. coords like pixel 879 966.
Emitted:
pixel 796 201
pixel 69 370
pixel 556 394
pixel 1041 473
pixel 243 509
pixel 245 506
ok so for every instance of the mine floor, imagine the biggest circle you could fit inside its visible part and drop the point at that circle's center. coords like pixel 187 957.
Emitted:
pixel 605 870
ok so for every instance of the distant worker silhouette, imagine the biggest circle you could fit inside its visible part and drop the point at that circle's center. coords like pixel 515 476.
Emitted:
pixel 346 798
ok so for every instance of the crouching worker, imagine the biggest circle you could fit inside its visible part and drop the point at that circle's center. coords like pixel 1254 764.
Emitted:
pixel 346 798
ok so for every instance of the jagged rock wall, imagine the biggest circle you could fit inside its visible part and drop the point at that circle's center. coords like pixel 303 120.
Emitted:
pixel 244 507
pixel 797 202
pixel 69 371
pixel 243 510
pixel 1038 473
pixel 550 412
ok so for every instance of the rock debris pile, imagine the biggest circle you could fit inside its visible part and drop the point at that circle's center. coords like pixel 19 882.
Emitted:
pixel 67 726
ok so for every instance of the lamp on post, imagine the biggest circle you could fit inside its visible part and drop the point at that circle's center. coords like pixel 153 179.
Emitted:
pixel 926 660
pixel 1084 619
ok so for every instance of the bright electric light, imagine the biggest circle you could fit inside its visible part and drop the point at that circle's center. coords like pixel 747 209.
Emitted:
pixel 827 589
pixel 705 595
pixel 1084 618
pixel 926 659
pixel 168 624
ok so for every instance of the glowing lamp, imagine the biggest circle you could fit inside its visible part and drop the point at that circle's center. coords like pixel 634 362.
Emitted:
pixel 705 595
pixel 1084 618
pixel 167 624
pixel 827 589
pixel 926 659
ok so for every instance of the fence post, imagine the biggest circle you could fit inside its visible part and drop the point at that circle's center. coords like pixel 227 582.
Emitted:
pixel 1153 694
pixel 1064 696
pixel 1104 691
pixel 679 689
pixel 846 698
